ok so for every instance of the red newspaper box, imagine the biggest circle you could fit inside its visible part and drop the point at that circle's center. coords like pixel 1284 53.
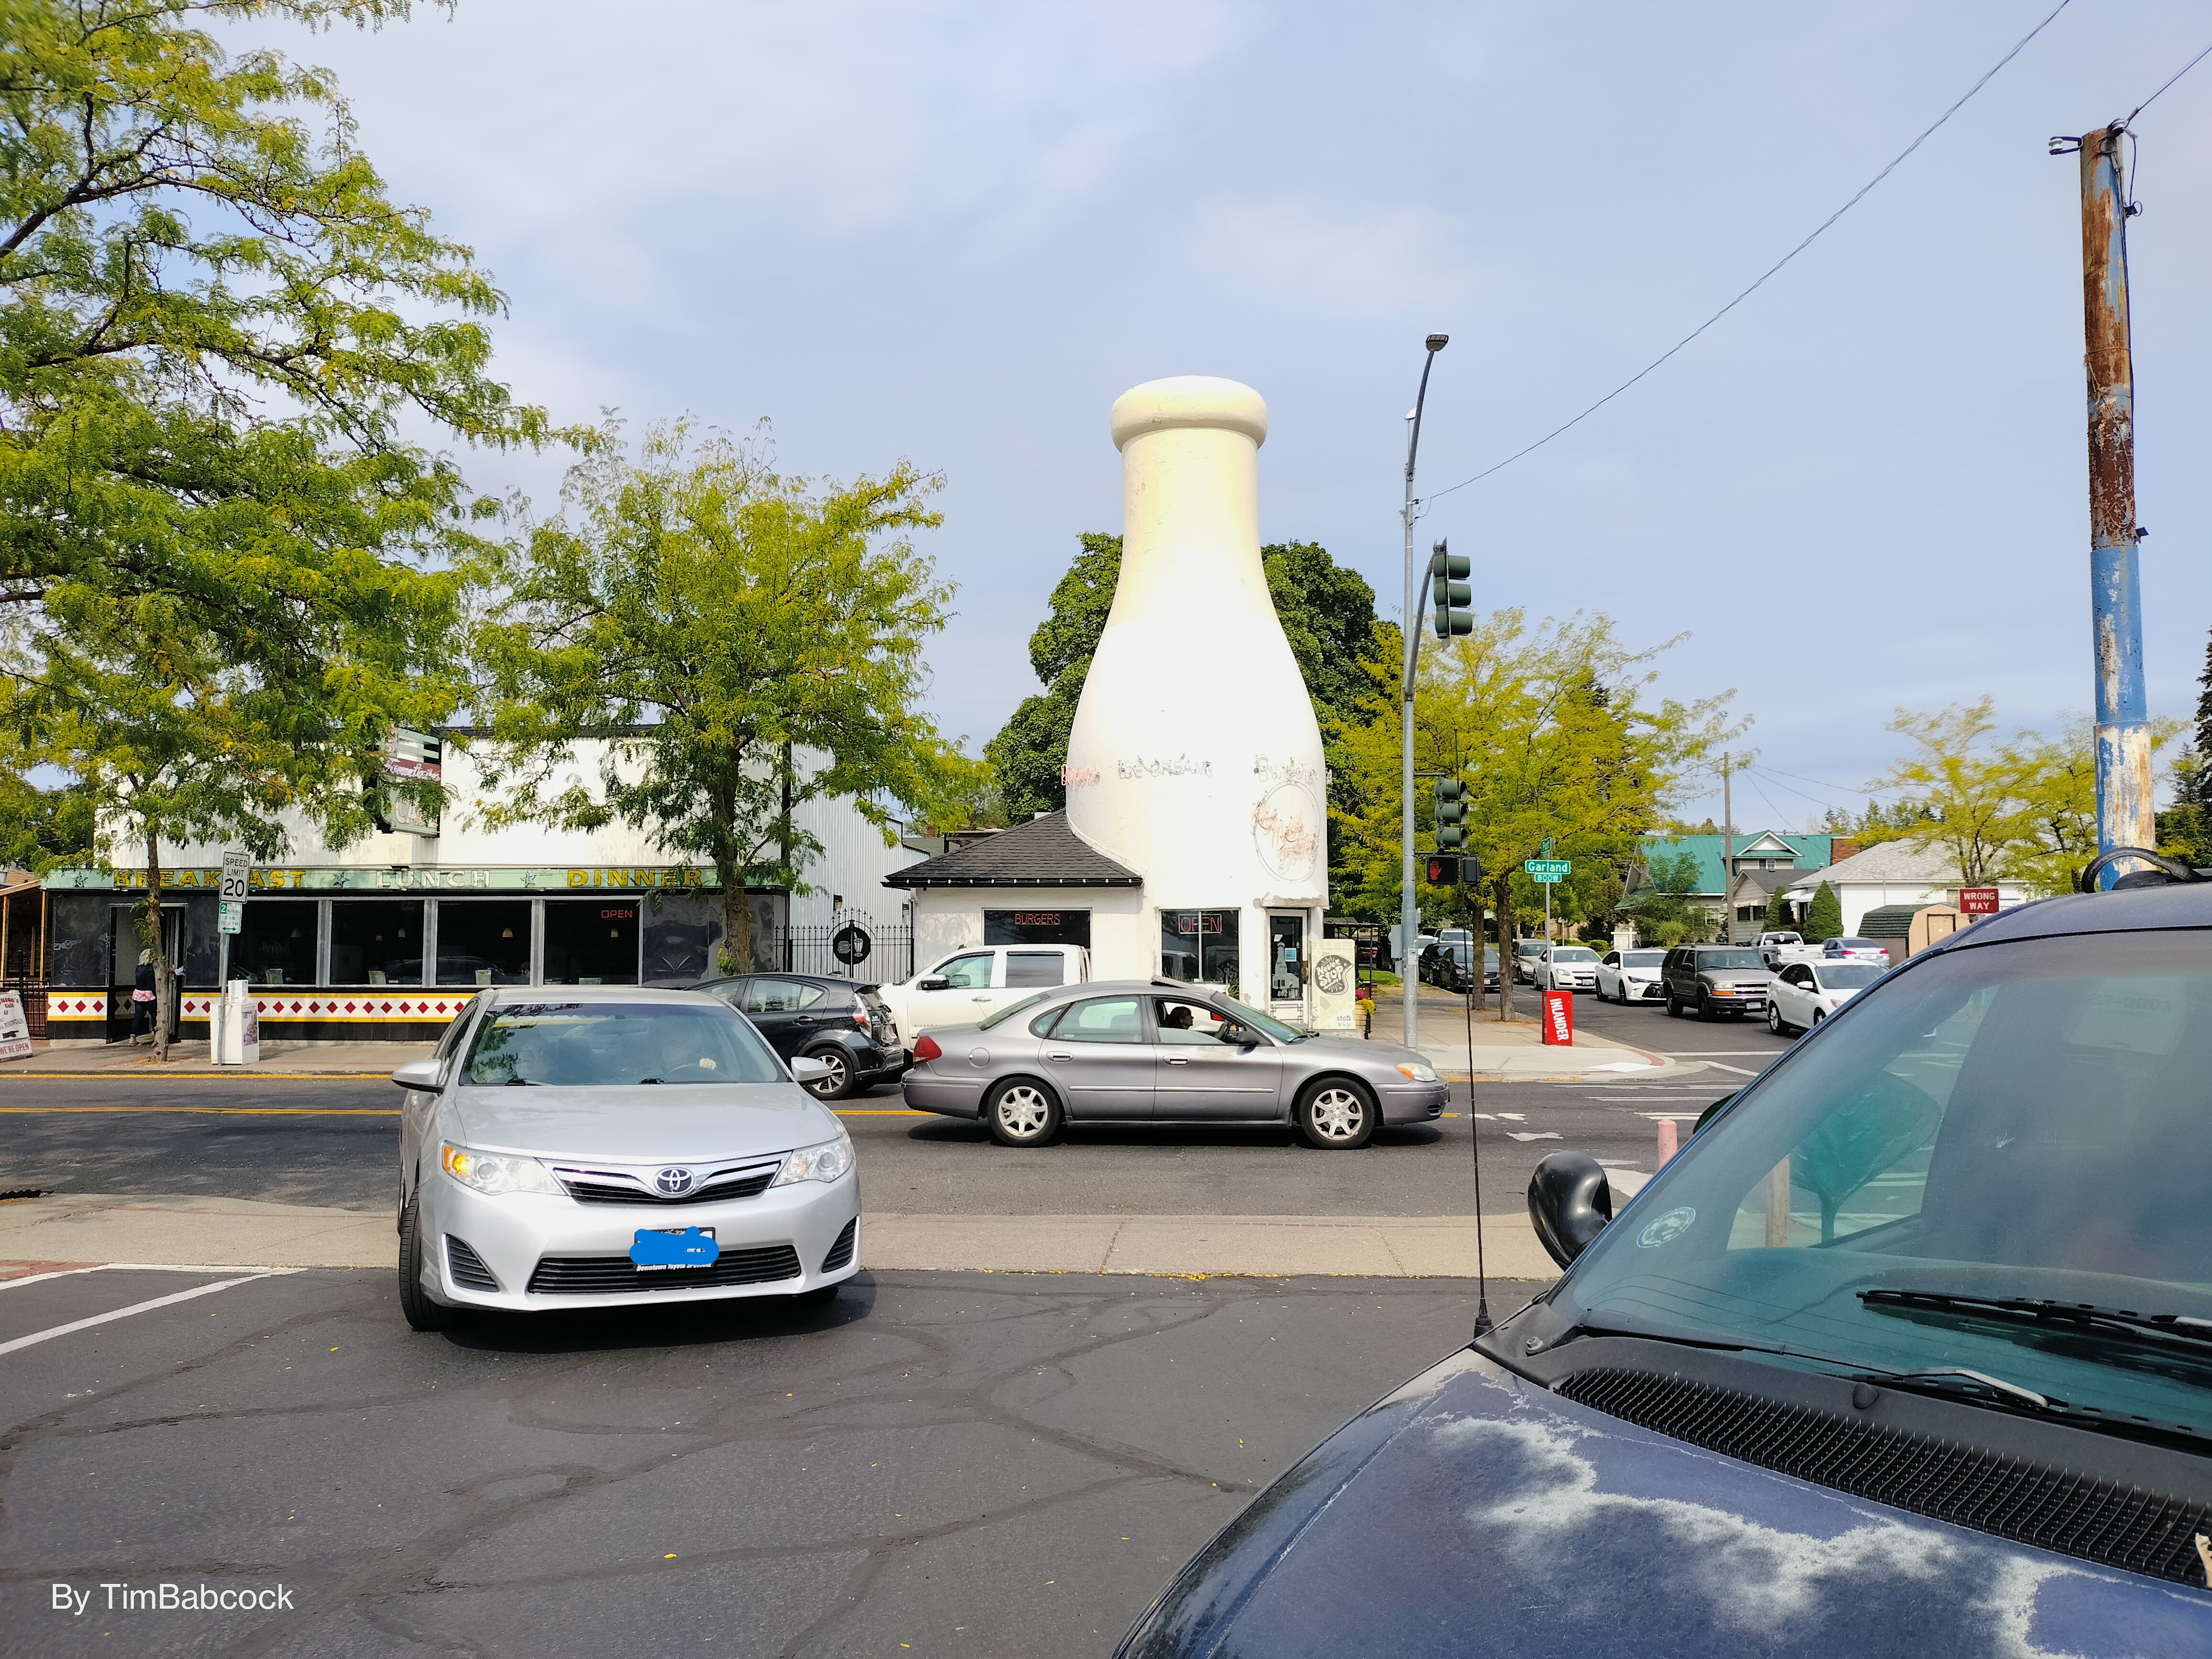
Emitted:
pixel 1559 1017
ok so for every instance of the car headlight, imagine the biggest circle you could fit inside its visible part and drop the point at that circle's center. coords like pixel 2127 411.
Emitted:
pixel 823 1163
pixel 1419 1070
pixel 498 1172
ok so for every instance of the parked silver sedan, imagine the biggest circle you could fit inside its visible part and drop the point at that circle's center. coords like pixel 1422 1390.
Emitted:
pixel 586 1146
pixel 1164 1052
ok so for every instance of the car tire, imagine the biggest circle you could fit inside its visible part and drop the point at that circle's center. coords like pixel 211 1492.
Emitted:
pixel 1704 1007
pixel 1673 1006
pixel 1774 1021
pixel 1021 1112
pixel 422 1313
pixel 1818 1017
pixel 1335 1115
pixel 842 1081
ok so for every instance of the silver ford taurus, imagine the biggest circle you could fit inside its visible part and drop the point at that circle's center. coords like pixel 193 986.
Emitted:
pixel 1164 1052
pixel 588 1146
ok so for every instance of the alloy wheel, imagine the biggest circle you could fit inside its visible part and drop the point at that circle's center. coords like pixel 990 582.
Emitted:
pixel 1023 1111
pixel 840 1073
pixel 1337 1114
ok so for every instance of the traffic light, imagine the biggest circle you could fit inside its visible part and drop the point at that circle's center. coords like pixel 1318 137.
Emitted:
pixel 1451 814
pixel 1443 870
pixel 1453 599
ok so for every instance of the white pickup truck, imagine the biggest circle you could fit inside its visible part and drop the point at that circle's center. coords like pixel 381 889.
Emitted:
pixel 966 985
pixel 1780 948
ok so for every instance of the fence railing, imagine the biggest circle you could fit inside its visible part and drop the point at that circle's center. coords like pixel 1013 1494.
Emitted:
pixel 827 948
pixel 34 1005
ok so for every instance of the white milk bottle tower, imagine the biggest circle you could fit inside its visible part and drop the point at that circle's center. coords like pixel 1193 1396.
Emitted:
pixel 1194 758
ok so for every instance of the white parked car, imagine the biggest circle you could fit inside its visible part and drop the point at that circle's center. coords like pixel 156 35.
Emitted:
pixel 1627 977
pixel 1803 994
pixel 964 987
pixel 592 1146
pixel 1567 968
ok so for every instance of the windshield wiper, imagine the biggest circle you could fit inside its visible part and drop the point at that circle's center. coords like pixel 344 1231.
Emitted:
pixel 1972 1385
pixel 651 1079
pixel 522 1082
pixel 2062 1315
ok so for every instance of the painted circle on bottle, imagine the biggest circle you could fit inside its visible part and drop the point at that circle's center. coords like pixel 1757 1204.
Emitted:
pixel 1286 831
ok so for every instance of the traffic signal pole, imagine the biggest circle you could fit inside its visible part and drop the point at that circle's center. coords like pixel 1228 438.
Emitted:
pixel 2124 815
pixel 1409 924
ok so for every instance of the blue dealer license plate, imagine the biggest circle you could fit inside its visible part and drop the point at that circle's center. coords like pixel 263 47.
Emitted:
pixel 658 1250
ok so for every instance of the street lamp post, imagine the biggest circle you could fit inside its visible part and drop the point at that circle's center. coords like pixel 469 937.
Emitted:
pixel 1410 907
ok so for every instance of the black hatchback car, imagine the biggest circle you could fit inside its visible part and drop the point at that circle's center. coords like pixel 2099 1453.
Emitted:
pixel 1908 1351
pixel 844 1025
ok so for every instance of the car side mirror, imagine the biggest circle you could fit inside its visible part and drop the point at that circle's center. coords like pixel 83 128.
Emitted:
pixel 806 1069
pixel 934 982
pixel 419 1074
pixel 1570 1203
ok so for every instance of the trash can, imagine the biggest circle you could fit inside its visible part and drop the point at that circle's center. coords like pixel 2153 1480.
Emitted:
pixel 1559 1018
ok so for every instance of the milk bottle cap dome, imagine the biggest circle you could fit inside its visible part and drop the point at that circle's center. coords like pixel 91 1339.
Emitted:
pixel 1190 400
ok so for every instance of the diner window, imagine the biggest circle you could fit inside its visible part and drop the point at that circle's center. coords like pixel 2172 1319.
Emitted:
pixel 1199 946
pixel 484 942
pixel 591 942
pixel 275 943
pixel 1038 927
pixel 376 942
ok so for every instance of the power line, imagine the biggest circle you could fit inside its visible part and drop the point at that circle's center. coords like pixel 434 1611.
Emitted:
pixel 1987 77
pixel 2175 76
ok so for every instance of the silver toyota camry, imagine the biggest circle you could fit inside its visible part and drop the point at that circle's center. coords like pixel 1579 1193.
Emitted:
pixel 589 1146
pixel 1164 1052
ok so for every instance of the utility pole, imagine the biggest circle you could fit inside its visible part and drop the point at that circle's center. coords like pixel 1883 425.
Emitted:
pixel 1727 853
pixel 2123 781
pixel 1409 924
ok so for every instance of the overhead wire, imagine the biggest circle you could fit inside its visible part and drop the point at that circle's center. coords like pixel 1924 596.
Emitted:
pixel 1987 76
pixel 2170 80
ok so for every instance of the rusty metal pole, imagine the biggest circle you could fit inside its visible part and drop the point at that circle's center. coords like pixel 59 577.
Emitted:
pixel 2124 780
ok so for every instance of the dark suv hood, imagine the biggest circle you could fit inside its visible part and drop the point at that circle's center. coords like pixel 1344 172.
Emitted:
pixel 1473 1512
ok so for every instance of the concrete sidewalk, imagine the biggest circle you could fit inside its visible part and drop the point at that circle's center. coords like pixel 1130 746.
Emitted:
pixel 190 1058
pixel 1514 1051
pixel 40 1234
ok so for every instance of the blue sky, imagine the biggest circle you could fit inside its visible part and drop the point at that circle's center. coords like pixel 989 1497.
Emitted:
pixel 956 233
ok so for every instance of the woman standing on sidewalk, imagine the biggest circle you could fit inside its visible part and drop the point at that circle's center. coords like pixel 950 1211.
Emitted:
pixel 141 999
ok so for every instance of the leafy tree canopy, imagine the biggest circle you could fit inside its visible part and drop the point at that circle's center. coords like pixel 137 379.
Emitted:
pixel 731 634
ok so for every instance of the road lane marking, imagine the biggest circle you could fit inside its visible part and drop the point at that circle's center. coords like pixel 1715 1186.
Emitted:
pixel 1738 1070
pixel 135 1308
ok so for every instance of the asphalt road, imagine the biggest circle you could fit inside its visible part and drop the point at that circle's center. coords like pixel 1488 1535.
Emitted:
pixel 940 1464
pixel 332 1142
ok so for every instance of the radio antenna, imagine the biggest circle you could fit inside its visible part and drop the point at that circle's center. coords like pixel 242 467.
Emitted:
pixel 1483 1322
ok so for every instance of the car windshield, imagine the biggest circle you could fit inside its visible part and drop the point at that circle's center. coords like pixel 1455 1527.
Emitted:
pixel 1573 953
pixel 1643 959
pixel 1726 961
pixel 2018 1121
pixel 604 1045
pixel 1008 1011
pixel 1846 975
pixel 1260 1021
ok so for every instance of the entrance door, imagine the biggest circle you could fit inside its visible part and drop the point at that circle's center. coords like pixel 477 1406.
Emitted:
pixel 122 949
pixel 1287 967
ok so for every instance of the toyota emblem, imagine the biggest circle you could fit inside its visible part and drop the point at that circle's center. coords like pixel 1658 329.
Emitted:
pixel 674 1182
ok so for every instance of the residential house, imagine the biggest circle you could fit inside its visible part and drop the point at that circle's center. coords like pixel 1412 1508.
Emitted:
pixel 1755 852
pixel 1893 872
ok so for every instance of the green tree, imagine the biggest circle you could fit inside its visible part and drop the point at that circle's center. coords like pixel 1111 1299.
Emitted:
pixel 728 632
pixel 214 325
pixel 1965 784
pixel 1824 917
pixel 1550 729
pixel 1777 912
pixel 1030 750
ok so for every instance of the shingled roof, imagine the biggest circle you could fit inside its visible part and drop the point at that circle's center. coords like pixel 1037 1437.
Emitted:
pixel 1042 853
